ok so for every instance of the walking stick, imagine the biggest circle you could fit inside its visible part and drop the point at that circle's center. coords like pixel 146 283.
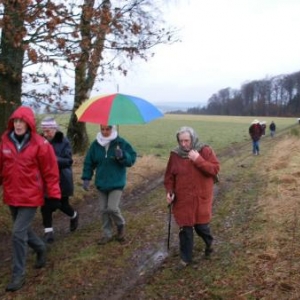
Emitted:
pixel 169 225
pixel 170 219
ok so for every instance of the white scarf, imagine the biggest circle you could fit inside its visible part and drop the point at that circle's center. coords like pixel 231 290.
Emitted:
pixel 104 141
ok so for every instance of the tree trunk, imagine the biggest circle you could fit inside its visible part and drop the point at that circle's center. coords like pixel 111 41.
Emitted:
pixel 86 70
pixel 11 62
pixel 77 135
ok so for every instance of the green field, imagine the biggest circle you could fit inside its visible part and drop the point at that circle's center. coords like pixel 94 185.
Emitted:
pixel 158 137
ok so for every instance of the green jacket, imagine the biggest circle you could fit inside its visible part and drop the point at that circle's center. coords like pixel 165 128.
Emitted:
pixel 110 173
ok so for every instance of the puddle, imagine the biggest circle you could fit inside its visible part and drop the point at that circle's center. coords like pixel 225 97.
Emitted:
pixel 153 260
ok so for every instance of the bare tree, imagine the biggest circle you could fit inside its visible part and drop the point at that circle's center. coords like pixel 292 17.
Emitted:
pixel 109 36
pixel 11 59
pixel 88 39
pixel 27 27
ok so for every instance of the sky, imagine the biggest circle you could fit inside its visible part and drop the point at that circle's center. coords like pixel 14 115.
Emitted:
pixel 224 43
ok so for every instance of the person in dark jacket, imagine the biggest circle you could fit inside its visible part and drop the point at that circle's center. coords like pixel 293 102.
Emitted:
pixel 189 180
pixel 263 125
pixel 63 152
pixel 27 169
pixel 272 128
pixel 255 132
pixel 109 155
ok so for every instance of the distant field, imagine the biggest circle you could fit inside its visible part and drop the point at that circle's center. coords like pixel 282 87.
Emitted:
pixel 158 137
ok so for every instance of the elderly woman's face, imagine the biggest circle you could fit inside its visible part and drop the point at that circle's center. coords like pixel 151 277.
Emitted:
pixel 49 133
pixel 185 141
pixel 105 130
pixel 20 126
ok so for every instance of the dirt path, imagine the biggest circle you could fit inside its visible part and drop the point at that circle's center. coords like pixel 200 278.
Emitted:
pixel 128 284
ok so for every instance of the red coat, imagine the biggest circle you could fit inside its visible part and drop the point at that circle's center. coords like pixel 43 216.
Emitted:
pixel 27 175
pixel 192 183
pixel 255 131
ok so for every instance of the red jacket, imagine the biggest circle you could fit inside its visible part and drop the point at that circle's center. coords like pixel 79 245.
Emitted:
pixel 27 175
pixel 192 183
pixel 255 131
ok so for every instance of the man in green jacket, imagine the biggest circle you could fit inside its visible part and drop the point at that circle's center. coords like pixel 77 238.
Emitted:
pixel 109 155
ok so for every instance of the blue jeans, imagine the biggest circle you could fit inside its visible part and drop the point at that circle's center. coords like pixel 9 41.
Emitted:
pixel 110 211
pixel 255 147
pixel 22 237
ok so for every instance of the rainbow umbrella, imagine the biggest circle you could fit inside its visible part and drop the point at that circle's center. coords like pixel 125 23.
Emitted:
pixel 117 109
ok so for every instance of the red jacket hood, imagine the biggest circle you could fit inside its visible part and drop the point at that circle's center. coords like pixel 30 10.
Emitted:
pixel 25 113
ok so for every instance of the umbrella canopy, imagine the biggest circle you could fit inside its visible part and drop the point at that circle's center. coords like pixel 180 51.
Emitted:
pixel 117 109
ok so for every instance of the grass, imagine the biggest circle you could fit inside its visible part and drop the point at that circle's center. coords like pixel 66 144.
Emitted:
pixel 255 225
pixel 158 137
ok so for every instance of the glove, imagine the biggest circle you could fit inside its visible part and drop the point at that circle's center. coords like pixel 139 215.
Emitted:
pixel 86 184
pixel 118 153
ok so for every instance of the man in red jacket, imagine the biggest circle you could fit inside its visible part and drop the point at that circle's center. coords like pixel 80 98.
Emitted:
pixel 28 170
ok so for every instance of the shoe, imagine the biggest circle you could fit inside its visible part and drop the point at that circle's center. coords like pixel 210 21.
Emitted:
pixel 104 240
pixel 120 233
pixel 181 265
pixel 208 251
pixel 74 222
pixel 49 237
pixel 40 259
pixel 15 284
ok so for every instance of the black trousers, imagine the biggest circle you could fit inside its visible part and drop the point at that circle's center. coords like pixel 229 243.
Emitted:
pixel 186 240
pixel 52 205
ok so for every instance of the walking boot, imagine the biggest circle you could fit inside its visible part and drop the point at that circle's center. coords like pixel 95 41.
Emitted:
pixel 74 222
pixel 49 237
pixel 181 265
pixel 208 251
pixel 16 283
pixel 120 233
pixel 40 259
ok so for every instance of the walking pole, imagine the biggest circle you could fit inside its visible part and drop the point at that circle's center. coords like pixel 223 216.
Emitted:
pixel 169 225
pixel 170 219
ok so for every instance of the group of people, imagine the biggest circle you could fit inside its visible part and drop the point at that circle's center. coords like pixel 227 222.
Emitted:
pixel 256 131
pixel 36 171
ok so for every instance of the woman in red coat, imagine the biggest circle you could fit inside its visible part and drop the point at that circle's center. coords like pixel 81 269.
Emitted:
pixel 28 170
pixel 189 181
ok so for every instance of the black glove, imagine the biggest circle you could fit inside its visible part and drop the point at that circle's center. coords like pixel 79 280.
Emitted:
pixel 86 184
pixel 118 153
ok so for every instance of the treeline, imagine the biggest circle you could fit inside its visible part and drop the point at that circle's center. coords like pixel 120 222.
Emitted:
pixel 276 96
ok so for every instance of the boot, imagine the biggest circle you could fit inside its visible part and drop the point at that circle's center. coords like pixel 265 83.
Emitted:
pixel 120 233
pixel 40 259
pixel 208 251
pixel 74 222
pixel 16 283
pixel 49 237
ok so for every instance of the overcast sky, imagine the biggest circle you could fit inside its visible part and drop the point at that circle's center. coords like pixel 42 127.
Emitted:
pixel 224 44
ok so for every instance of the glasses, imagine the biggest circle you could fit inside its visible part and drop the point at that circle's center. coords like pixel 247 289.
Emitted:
pixel 105 128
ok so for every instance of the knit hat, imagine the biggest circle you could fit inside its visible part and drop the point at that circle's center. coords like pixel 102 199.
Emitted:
pixel 49 123
pixel 255 121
